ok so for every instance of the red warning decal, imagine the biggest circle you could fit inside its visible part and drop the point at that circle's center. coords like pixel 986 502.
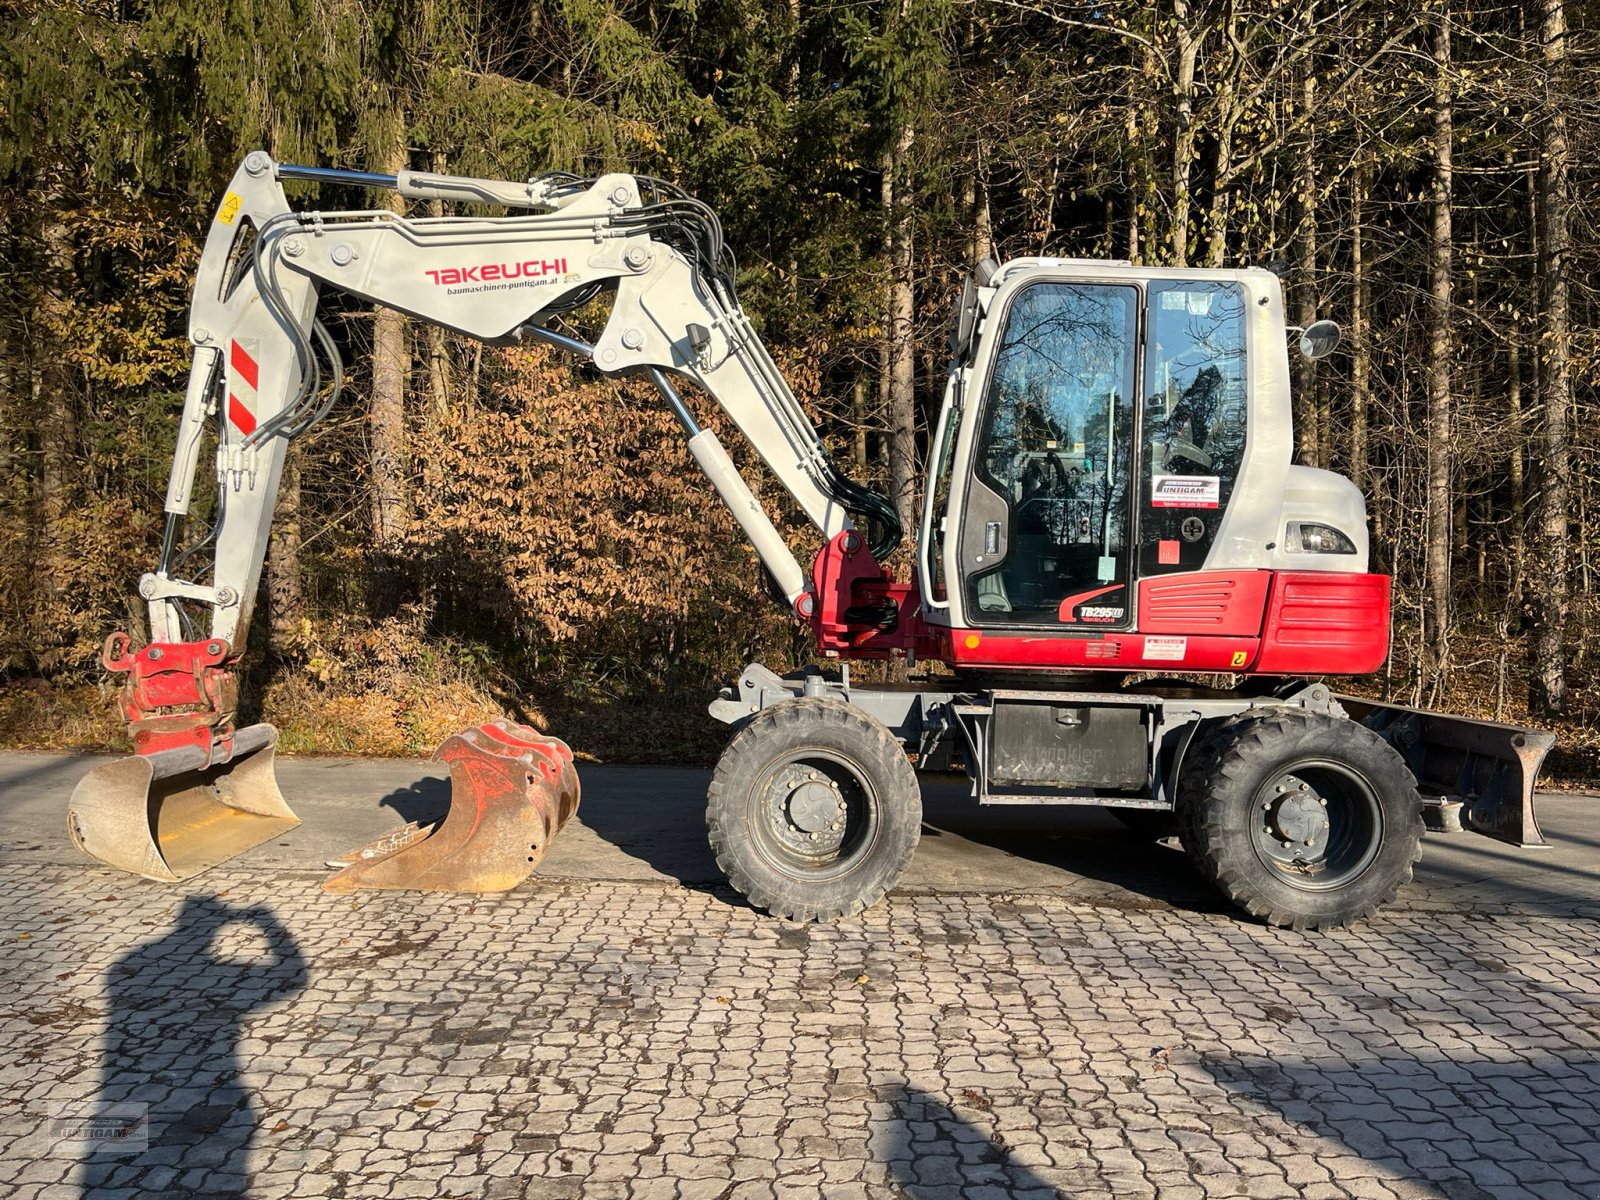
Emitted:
pixel 242 394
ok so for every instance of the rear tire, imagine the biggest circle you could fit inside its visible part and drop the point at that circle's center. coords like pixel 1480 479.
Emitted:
pixel 1301 819
pixel 814 810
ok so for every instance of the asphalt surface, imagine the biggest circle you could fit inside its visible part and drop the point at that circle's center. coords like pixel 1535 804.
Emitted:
pixel 646 825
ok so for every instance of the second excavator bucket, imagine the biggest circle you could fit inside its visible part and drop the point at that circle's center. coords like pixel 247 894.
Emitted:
pixel 511 791
pixel 172 814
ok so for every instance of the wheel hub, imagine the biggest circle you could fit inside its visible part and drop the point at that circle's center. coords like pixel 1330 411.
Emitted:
pixel 1298 817
pixel 815 807
pixel 807 812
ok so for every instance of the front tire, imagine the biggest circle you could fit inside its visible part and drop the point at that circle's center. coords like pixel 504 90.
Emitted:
pixel 1301 819
pixel 814 810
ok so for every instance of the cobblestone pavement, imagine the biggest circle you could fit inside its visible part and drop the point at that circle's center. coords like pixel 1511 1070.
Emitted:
pixel 636 1040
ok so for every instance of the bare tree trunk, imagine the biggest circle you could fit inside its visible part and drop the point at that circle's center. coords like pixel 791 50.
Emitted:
pixel 391 368
pixel 1307 410
pixel 1183 132
pixel 1135 192
pixel 1141 185
pixel 1555 379
pixel 1360 340
pixel 859 419
pixel 1440 351
pixel 902 363
pixel 1518 470
pixel 55 416
pixel 439 381
pixel 975 207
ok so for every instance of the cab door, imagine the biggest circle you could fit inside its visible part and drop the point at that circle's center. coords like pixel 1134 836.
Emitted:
pixel 1047 532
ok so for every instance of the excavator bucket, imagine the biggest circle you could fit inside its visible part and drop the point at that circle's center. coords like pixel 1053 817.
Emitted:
pixel 172 814
pixel 511 791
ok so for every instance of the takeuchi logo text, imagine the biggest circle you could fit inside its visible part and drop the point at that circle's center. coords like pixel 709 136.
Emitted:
pixel 533 268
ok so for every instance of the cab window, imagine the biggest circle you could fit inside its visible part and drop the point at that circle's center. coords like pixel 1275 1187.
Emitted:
pixel 1195 388
pixel 1046 535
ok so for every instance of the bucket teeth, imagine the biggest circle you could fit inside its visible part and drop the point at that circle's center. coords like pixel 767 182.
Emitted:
pixel 512 789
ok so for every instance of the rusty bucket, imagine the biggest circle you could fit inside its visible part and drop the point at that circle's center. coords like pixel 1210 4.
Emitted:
pixel 511 791
pixel 172 814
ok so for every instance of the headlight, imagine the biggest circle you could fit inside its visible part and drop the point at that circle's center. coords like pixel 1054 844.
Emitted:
pixel 1304 537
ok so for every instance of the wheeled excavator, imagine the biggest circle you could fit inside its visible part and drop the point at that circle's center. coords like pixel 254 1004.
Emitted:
pixel 1111 513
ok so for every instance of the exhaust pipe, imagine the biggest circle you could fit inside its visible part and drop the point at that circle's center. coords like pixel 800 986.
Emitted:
pixel 171 814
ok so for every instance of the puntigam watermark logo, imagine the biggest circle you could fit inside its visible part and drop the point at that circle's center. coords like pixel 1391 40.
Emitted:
pixel 76 1127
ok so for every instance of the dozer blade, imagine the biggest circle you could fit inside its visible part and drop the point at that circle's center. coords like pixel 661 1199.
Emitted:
pixel 175 813
pixel 511 791
pixel 1489 769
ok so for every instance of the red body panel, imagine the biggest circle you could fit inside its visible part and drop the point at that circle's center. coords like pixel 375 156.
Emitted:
pixel 1323 623
pixel 1225 603
pixel 1076 651
pixel 1250 622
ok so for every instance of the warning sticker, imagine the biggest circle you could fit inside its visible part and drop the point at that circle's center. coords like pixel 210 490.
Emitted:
pixel 1185 491
pixel 229 209
pixel 1165 649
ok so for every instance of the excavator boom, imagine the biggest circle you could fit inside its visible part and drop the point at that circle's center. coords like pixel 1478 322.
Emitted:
pixel 265 370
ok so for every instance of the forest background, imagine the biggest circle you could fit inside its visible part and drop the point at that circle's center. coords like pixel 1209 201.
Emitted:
pixel 480 530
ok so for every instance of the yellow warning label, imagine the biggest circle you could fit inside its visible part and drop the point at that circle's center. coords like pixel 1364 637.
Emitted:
pixel 229 209
pixel 1240 657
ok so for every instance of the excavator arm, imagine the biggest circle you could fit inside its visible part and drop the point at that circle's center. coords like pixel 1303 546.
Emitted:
pixel 265 364
pixel 265 370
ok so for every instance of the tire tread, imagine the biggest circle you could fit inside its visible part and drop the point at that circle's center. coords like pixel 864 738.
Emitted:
pixel 1236 752
pixel 749 751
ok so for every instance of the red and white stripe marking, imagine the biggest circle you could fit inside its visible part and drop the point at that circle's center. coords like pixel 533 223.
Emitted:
pixel 244 375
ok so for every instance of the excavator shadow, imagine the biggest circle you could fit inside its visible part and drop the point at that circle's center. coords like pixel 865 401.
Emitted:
pixel 649 822
pixel 1081 851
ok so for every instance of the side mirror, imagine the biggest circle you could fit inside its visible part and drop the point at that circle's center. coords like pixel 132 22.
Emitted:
pixel 966 320
pixel 1319 340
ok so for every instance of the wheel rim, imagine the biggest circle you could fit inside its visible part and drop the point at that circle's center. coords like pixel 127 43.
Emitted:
pixel 814 814
pixel 1317 824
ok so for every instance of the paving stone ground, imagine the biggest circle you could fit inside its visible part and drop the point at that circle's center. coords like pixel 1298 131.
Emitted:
pixel 632 1040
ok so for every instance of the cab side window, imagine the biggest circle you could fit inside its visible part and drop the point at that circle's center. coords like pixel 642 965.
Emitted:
pixel 1194 420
